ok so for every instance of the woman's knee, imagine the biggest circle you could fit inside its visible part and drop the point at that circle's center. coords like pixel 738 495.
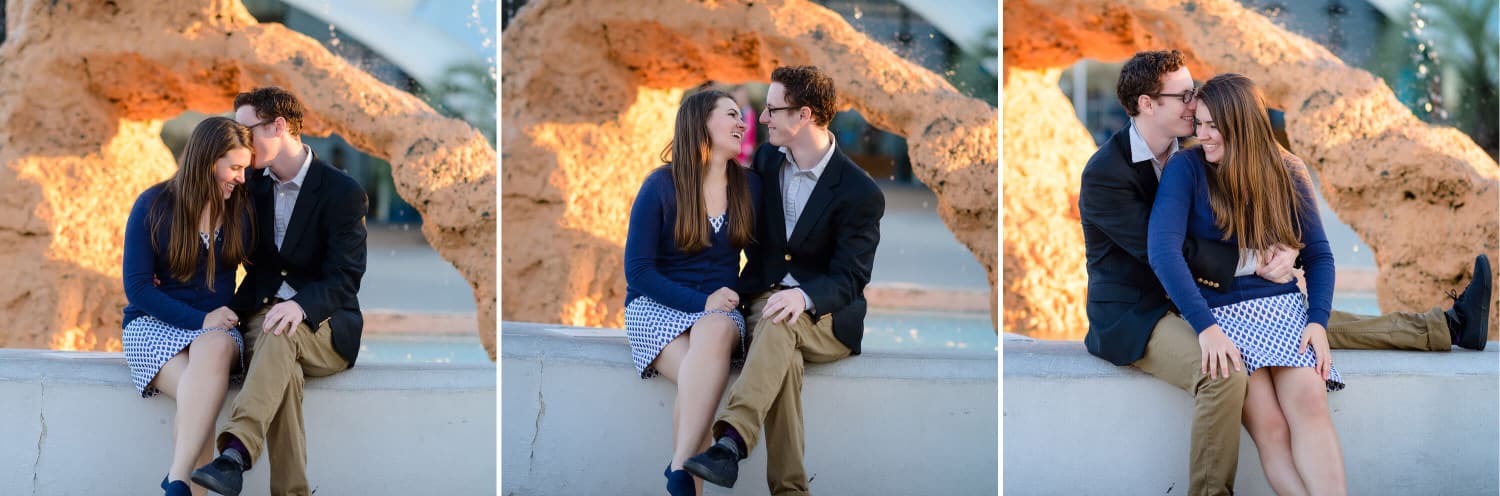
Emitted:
pixel 214 345
pixel 715 331
pixel 1307 400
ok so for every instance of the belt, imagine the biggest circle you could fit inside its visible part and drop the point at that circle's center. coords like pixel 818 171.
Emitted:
pixel 779 286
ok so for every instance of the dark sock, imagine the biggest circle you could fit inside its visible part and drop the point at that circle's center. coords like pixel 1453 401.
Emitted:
pixel 237 451
pixel 1454 326
pixel 738 443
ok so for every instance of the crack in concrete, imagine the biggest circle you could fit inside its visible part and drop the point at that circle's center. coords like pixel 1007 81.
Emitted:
pixel 42 439
pixel 540 412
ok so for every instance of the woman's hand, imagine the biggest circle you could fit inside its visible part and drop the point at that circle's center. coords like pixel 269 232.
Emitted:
pixel 1218 353
pixel 221 318
pixel 724 299
pixel 1316 335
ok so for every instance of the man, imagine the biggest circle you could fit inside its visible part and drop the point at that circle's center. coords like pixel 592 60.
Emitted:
pixel 803 282
pixel 1131 322
pixel 301 289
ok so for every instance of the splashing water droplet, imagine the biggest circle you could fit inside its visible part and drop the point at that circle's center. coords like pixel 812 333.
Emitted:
pixel 858 14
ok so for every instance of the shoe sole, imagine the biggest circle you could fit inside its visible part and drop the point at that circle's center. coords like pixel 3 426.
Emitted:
pixel 708 476
pixel 213 484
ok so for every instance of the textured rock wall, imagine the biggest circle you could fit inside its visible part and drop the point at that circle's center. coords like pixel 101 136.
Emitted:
pixel 1423 197
pixel 590 93
pixel 84 88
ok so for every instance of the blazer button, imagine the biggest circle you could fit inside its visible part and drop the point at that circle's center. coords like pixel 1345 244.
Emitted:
pixel 265 301
pixel 788 257
pixel 283 273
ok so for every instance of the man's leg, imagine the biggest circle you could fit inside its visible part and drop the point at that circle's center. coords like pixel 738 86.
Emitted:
pixel 1393 331
pixel 771 354
pixel 1173 355
pixel 785 474
pixel 286 440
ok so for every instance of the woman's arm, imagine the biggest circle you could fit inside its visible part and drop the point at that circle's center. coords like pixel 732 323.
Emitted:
pixel 138 272
pixel 641 250
pixel 1317 256
pixel 1165 234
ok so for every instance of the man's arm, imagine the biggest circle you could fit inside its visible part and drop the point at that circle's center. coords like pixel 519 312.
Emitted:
pixel 853 257
pixel 1109 203
pixel 344 262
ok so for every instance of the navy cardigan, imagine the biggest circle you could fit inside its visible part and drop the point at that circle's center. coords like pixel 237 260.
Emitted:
pixel 1182 208
pixel 178 303
pixel 654 267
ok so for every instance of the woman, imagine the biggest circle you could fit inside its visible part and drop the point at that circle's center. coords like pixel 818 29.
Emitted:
pixel 687 227
pixel 1240 185
pixel 183 242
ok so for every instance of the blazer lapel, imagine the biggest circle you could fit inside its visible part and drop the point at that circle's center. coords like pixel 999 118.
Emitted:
pixel 770 173
pixel 265 210
pixel 1145 173
pixel 822 195
pixel 307 200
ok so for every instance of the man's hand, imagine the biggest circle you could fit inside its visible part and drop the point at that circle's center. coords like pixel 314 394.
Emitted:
pixel 1317 336
pixel 784 306
pixel 221 318
pixel 724 299
pixel 1277 268
pixel 1218 352
pixel 284 316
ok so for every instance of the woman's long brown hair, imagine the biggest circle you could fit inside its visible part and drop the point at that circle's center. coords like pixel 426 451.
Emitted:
pixel 1253 191
pixel 688 155
pixel 193 189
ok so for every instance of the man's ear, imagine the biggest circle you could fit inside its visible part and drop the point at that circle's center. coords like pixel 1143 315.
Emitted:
pixel 1143 103
pixel 281 126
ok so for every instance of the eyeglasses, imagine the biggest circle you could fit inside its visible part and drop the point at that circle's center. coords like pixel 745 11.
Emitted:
pixel 1186 96
pixel 772 110
pixel 261 123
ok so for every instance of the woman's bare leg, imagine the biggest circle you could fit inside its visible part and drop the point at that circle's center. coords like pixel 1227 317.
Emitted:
pixel 1315 445
pixel 701 382
pixel 200 394
pixel 1268 428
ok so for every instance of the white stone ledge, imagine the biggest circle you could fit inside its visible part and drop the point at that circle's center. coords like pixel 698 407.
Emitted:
pixel 577 420
pixel 72 424
pixel 1408 423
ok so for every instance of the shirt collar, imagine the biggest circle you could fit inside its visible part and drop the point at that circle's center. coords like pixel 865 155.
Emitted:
pixel 301 173
pixel 1140 151
pixel 817 170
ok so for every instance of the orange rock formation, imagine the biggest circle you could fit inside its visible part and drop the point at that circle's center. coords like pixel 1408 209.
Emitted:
pixel 87 85
pixel 1424 197
pixel 591 89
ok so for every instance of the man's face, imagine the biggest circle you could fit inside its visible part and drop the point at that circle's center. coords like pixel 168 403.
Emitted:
pixel 781 123
pixel 1168 112
pixel 262 134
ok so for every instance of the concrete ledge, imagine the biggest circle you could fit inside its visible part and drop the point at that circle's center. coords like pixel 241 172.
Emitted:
pixel 578 420
pixel 1408 423
pixel 72 424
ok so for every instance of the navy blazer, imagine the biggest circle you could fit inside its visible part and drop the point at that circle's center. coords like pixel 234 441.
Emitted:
pixel 832 248
pixel 1124 297
pixel 322 256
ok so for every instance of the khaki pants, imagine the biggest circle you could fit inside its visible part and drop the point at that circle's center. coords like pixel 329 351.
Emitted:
pixel 1173 355
pixel 769 390
pixel 268 410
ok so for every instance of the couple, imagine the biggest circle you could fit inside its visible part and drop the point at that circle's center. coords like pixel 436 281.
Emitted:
pixel 808 220
pixel 1190 258
pixel 299 232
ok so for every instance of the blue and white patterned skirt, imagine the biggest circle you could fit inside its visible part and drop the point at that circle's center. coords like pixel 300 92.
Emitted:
pixel 149 343
pixel 1268 332
pixel 649 326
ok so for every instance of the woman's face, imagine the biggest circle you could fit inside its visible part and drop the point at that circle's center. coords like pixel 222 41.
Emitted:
pixel 229 170
pixel 726 129
pixel 1208 135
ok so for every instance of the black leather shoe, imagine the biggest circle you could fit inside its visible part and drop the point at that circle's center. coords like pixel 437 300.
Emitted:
pixel 718 465
pixel 223 475
pixel 1470 315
